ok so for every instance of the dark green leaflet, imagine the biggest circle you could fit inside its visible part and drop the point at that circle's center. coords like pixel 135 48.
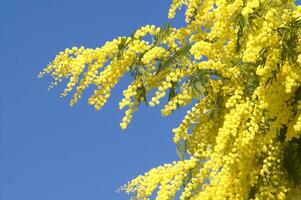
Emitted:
pixel 175 58
pixel 292 160
pixel 197 80
pixel 181 149
pixel 289 38
pixel 164 32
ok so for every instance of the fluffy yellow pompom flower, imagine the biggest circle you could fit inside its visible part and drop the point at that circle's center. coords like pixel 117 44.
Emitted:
pixel 236 64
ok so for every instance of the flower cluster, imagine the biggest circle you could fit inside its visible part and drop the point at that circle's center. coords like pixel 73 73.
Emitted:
pixel 236 65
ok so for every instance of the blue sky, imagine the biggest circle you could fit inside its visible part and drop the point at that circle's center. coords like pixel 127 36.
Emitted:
pixel 49 150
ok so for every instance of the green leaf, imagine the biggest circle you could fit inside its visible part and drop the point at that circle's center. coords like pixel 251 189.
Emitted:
pixel 262 57
pixel 172 91
pixel 282 134
pixel 289 38
pixel 218 107
pixel 141 95
pixel 252 192
pixel 163 33
pixel 292 160
pixel 298 95
pixel 272 78
pixel 198 79
pixel 241 25
pixel 175 58
pixel 181 149
pixel 123 45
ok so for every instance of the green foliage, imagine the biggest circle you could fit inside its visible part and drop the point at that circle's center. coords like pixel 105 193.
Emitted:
pixel 163 33
pixel 289 39
pixel 198 80
pixel 181 148
pixel 292 160
pixel 175 58
pixel 141 95
pixel 123 45
pixel 173 91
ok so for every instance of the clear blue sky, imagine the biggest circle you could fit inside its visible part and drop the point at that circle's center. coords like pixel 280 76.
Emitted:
pixel 48 150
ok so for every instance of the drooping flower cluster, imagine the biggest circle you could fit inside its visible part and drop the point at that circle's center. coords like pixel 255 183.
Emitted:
pixel 239 63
